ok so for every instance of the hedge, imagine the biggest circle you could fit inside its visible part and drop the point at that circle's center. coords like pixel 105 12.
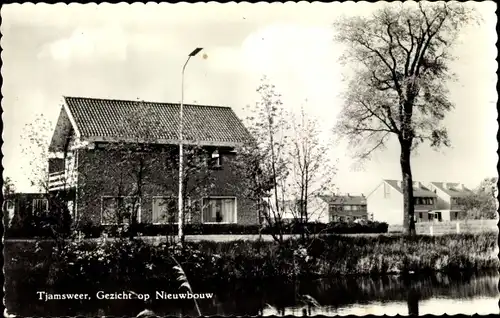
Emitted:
pixel 143 229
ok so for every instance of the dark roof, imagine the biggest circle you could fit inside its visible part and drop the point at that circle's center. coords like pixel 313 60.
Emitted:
pixel 421 191
pixel 453 189
pixel 110 119
pixel 345 199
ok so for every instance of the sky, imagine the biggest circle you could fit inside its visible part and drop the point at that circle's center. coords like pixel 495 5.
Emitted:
pixel 122 51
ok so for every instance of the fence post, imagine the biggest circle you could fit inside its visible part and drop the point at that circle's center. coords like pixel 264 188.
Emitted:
pixel 458 227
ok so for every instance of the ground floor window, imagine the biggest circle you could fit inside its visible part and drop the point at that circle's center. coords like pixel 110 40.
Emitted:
pixel 166 210
pixel 40 206
pixel 219 210
pixel 120 210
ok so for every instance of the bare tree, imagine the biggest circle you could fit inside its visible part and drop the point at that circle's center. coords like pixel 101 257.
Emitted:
pixel 401 58
pixel 312 168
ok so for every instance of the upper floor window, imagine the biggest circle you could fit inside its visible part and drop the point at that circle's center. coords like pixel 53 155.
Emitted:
pixel 424 201
pixel 347 207
pixel 215 159
pixel 120 210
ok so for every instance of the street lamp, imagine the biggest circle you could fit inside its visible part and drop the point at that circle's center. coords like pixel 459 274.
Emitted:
pixel 181 159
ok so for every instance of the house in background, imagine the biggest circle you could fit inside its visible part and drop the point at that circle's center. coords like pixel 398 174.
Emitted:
pixel 317 210
pixel 346 208
pixel 448 196
pixel 385 203
pixel 91 173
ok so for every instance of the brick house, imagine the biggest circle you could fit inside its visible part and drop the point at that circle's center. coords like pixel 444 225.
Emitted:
pixel 346 207
pixel 110 153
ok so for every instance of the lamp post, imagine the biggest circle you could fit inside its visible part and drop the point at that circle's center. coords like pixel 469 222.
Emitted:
pixel 181 159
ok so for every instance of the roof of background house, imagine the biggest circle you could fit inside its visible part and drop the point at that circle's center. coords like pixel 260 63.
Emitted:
pixel 421 191
pixel 124 120
pixel 454 189
pixel 344 199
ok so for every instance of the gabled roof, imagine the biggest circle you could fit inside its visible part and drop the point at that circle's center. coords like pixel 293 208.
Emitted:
pixel 421 191
pixel 95 119
pixel 345 199
pixel 453 189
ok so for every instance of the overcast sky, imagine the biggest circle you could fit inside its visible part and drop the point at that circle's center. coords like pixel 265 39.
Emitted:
pixel 137 51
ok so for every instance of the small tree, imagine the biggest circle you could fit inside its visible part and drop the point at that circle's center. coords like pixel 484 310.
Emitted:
pixel 401 57
pixel 263 160
pixel 198 178
pixel 312 170
pixel 482 203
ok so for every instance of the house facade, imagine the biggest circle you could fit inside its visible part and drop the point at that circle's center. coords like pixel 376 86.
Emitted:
pixel 385 203
pixel 117 161
pixel 346 208
pixel 448 199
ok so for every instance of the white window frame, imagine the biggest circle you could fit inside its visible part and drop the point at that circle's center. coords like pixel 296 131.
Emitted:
pixel 139 212
pixel 37 199
pixel 387 191
pixel 215 155
pixel 221 197
pixel 186 221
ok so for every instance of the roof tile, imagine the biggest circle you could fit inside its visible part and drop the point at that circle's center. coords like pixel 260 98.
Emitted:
pixel 106 118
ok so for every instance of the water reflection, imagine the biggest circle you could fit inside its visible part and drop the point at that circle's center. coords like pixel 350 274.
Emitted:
pixel 347 296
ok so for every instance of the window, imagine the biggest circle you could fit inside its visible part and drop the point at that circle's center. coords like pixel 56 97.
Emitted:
pixel 165 210
pixel 9 210
pixel 40 206
pixel 120 210
pixel 420 215
pixel 347 207
pixel 438 216
pixel 214 160
pixel 219 210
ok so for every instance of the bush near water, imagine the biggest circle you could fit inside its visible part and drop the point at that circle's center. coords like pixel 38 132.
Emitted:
pixel 98 262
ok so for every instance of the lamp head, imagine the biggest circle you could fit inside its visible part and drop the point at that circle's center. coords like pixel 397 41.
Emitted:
pixel 196 51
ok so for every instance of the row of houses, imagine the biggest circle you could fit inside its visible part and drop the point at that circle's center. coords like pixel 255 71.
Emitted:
pixel 433 202
pixel 85 169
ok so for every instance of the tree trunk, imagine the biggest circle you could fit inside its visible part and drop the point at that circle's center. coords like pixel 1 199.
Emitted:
pixel 407 186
